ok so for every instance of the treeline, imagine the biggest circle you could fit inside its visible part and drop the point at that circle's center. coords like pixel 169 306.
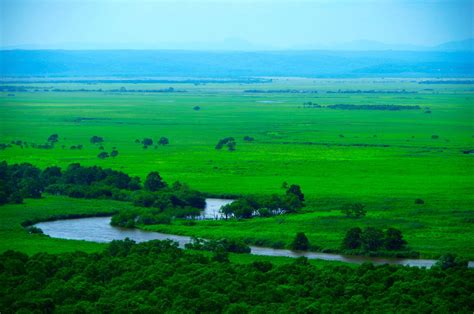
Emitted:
pixel 21 181
pixel 280 91
pixel 86 90
pixel 157 277
pixel 144 81
pixel 371 91
pixel 373 107
pixel 466 82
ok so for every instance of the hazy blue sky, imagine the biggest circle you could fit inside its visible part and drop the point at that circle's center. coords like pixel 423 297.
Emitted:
pixel 263 23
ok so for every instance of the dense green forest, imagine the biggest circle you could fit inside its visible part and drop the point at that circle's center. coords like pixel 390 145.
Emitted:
pixel 158 277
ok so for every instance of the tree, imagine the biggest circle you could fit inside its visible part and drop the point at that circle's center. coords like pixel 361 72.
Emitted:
pixel 248 138
pixel 53 138
pixel 197 108
pixel 227 141
pixel 114 153
pixel 372 239
pixel 355 210
pixel 301 242
pixel 352 240
pixel 147 142
pixel 96 139
pixel 163 141
pixel 154 182
pixel 103 155
pixel 295 190
pixel 394 239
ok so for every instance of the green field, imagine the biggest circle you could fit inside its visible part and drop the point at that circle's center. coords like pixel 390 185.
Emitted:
pixel 384 159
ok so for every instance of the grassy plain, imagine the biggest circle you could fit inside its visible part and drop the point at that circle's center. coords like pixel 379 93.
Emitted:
pixel 385 159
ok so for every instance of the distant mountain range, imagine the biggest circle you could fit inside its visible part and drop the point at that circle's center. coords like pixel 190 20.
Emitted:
pixel 237 44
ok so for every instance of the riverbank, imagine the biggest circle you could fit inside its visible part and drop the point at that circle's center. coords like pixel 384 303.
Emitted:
pixel 15 237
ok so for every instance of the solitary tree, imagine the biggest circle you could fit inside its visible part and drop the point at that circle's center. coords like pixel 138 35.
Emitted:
pixel 147 142
pixel 301 242
pixel 114 153
pixel 163 141
pixel 96 139
pixel 154 182
pixel 197 108
pixel 53 138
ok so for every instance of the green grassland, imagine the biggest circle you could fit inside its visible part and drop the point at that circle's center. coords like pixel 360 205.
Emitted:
pixel 385 159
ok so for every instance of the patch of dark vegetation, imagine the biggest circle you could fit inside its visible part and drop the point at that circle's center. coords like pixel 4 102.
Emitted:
pixel 157 276
pixel 373 107
pixel 419 201
pixel 4 146
pixel 310 104
pixel 371 91
pixel 300 243
pixel 164 90
pixel 230 246
pixel 248 138
pixel 34 230
pixel 375 242
pixel 196 108
pixel 229 142
pixel 280 91
pixel 468 151
pixel 80 119
pixel 466 82
pixel 103 155
pixel 356 210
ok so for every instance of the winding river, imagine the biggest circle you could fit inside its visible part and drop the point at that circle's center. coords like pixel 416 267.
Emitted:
pixel 98 229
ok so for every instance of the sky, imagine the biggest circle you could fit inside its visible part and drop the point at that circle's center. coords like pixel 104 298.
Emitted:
pixel 246 24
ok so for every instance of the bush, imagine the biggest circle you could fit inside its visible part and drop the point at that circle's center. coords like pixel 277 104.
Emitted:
pixel 355 210
pixel 419 201
pixel 301 242
pixel 451 261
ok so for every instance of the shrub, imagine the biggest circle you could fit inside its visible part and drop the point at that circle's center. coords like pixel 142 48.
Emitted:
pixel 419 201
pixel 355 210
pixel 300 243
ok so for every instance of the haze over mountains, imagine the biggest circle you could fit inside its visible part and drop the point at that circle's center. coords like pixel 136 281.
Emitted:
pixel 238 44
pixel 184 63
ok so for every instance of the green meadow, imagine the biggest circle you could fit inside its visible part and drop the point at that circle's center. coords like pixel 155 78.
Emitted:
pixel 383 159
